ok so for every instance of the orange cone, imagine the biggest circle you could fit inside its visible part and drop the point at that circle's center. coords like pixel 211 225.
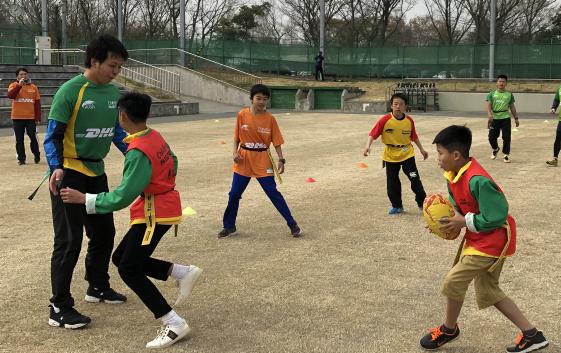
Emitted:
pixel 222 142
pixel 310 180
pixel 362 165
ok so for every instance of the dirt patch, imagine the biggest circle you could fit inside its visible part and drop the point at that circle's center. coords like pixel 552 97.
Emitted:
pixel 359 280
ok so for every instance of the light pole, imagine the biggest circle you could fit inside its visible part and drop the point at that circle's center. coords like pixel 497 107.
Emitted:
pixel 492 40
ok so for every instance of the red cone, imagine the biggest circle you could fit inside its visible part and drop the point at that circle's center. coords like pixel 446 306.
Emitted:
pixel 310 180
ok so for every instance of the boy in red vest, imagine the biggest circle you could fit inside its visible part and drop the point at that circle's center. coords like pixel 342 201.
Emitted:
pixel 148 177
pixel 490 237
pixel 398 131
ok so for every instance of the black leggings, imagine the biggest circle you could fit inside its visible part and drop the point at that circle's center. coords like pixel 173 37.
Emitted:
pixel 394 184
pixel 498 126
pixel 69 221
pixel 135 265
pixel 557 144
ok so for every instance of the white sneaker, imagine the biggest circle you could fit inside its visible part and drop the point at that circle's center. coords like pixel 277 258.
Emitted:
pixel 168 335
pixel 187 283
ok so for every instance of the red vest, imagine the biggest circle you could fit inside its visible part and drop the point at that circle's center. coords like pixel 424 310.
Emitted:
pixel 167 202
pixel 492 242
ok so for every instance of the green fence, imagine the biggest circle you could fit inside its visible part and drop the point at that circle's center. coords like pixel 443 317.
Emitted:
pixel 537 61
pixel 541 61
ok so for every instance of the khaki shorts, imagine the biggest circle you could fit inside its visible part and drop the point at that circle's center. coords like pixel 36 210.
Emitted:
pixel 471 267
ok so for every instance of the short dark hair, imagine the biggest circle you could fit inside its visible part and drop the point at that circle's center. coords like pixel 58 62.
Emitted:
pixel 21 69
pixel 455 138
pixel 259 88
pixel 400 96
pixel 502 76
pixel 100 47
pixel 136 105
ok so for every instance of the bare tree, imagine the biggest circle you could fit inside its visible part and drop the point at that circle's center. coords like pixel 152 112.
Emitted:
pixel 130 10
pixel 448 17
pixel 389 8
pixel 303 15
pixel 534 14
pixel 154 15
pixel 271 26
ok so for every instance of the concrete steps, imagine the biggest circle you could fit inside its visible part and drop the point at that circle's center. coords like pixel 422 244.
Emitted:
pixel 48 78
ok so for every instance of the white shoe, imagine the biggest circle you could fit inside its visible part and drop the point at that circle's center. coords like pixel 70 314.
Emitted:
pixel 168 335
pixel 187 283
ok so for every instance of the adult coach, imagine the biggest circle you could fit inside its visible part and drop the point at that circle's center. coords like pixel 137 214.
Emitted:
pixel 26 113
pixel 83 122
pixel 499 102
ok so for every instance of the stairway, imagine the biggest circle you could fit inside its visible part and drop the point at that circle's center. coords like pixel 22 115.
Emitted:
pixel 48 78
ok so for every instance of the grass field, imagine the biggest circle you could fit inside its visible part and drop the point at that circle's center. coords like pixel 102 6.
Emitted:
pixel 359 280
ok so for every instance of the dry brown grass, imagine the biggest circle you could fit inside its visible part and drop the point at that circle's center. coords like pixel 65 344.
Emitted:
pixel 377 89
pixel 358 281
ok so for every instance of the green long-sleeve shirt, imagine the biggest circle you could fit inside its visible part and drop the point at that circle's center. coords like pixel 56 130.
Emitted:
pixel 137 174
pixel 493 207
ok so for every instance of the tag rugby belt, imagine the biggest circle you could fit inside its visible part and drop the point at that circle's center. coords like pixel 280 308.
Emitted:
pixel 253 149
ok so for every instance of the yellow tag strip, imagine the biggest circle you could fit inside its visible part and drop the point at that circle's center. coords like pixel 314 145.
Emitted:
pixel 275 169
pixel 150 214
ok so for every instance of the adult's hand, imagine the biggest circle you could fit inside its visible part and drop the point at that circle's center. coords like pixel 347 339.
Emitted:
pixel 54 181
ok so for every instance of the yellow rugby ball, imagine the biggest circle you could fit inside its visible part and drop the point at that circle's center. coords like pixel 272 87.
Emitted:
pixel 435 207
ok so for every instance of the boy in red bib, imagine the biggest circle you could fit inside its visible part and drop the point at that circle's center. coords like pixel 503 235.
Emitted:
pixel 490 237
pixel 148 177
pixel 398 131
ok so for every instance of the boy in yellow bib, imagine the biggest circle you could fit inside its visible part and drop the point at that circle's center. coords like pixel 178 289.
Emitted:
pixel 398 131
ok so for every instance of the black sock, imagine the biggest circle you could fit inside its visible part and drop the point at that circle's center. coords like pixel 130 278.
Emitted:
pixel 530 333
pixel 448 330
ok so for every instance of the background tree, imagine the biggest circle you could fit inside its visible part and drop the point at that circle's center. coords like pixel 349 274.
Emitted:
pixel 449 19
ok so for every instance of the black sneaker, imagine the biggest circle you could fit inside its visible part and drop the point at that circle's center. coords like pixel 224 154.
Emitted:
pixel 21 162
pixel 226 232
pixel 68 318
pixel 109 296
pixel 37 159
pixel 436 338
pixel 295 230
pixel 524 344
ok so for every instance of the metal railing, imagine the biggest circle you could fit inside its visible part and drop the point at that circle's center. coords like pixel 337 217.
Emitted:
pixel 133 70
pixel 214 69
pixel 152 76
pixel 64 56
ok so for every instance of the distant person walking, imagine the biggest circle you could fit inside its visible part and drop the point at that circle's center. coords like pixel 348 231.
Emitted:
pixel 319 59
pixel 26 113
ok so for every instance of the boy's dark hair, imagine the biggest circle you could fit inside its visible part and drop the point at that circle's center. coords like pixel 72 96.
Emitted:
pixel 21 69
pixel 136 105
pixel 259 88
pixel 455 138
pixel 100 47
pixel 400 96
pixel 502 76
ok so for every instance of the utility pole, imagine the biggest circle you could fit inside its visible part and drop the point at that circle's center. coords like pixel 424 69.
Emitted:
pixel 322 26
pixel 44 24
pixel 182 30
pixel 120 20
pixel 492 40
pixel 63 29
